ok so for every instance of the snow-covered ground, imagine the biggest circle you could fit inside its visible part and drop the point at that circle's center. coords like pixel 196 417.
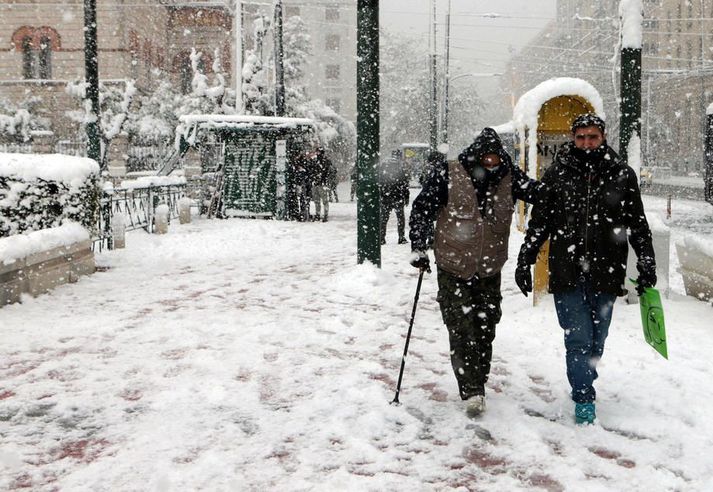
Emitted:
pixel 256 355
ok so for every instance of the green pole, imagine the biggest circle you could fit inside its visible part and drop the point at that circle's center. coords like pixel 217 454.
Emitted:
pixel 630 106
pixel 279 63
pixel 91 76
pixel 368 245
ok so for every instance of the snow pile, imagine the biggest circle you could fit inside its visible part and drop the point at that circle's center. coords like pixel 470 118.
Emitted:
pixel 69 170
pixel 42 191
pixel 149 181
pixel 528 107
pixel 633 154
pixel 702 244
pixel 23 245
pixel 631 13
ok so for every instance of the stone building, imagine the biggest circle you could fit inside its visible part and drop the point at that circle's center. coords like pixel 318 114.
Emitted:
pixel 677 70
pixel 42 49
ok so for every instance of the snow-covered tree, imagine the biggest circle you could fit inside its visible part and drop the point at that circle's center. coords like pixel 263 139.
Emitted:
pixel 17 121
pixel 156 118
pixel 297 47
pixel 114 106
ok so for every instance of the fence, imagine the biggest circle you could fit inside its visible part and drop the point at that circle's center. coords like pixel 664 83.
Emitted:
pixel 72 147
pixel 147 157
pixel 137 205
pixel 17 148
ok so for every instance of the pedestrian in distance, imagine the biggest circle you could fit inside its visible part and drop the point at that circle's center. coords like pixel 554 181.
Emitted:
pixel 472 201
pixel 301 186
pixel 321 168
pixel 592 199
pixel 353 179
pixel 393 194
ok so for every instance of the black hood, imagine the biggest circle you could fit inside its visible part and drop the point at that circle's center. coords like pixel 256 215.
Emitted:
pixel 488 142
pixel 569 155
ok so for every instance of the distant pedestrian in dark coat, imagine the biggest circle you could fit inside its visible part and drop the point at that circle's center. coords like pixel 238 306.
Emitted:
pixel 393 193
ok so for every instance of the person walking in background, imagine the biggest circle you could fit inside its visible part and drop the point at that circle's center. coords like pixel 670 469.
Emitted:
pixel 592 199
pixel 302 186
pixel 393 194
pixel 321 166
pixel 472 201
pixel 353 179
pixel 333 182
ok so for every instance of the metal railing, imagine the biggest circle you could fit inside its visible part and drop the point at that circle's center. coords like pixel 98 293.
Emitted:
pixel 137 206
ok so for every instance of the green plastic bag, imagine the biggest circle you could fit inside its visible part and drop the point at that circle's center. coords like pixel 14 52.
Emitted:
pixel 652 320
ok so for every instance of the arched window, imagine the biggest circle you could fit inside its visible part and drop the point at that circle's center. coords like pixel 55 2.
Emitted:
pixel 28 58
pixel 44 62
pixel 36 45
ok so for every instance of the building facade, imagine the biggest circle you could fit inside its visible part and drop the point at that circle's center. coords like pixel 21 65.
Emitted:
pixel 42 48
pixel 677 70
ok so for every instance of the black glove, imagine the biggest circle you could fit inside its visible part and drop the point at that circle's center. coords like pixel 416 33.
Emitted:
pixel 419 259
pixel 647 278
pixel 523 278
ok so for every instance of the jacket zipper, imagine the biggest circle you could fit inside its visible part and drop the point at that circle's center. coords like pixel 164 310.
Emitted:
pixel 586 223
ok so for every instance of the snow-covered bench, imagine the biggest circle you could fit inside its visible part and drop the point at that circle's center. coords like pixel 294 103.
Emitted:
pixel 695 256
pixel 36 262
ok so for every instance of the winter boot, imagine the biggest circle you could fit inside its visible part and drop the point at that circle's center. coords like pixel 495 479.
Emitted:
pixel 475 406
pixel 584 413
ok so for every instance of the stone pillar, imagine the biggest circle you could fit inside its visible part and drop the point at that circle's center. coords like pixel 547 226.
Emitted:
pixel 184 210
pixel 118 149
pixel 161 219
pixel 118 231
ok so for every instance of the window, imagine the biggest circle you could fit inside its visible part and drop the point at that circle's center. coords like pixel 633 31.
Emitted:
pixel 28 63
pixel 331 13
pixel 44 62
pixel 334 103
pixel 332 42
pixel 36 44
pixel 331 72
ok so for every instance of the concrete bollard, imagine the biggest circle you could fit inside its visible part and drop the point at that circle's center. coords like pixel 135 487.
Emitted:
pixel 118 231
pixel 161 219
pixel 661 239
pixel 184 210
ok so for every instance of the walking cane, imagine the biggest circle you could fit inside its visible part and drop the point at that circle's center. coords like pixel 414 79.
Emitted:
pixel 408 337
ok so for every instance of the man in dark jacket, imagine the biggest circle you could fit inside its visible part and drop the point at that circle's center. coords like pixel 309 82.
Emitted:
pixel 472 201
pixel 321 167
pixel 592 198
pixel 393 194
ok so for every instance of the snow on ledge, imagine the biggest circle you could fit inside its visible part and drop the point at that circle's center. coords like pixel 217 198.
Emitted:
pixel 149 181
pixel 528 107
pixel 19 246
pixel 631 13
pixel 70 170
pixel 237 120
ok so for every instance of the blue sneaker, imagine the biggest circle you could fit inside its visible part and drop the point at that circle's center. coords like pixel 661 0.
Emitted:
pixel 584 413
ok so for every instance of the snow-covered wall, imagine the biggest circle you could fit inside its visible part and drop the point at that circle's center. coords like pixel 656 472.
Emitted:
pixel 43 191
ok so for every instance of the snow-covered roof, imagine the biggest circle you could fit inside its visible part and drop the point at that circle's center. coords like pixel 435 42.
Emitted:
pixel 631 13
pixel 528 107
pixel 70 170
pixel 241 121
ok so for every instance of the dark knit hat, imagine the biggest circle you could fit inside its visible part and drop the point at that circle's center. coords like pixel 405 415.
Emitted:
pixel 488 142
pixel 588 119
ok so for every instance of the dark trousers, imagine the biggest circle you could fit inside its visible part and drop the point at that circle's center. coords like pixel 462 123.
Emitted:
pixel 387 205
pixel 584 316
pixel 470 310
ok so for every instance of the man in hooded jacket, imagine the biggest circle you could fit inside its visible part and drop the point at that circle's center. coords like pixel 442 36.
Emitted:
pixel 591 200
pixel 472 201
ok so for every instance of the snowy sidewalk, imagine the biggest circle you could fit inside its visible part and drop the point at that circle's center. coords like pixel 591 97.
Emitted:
pixel 256 355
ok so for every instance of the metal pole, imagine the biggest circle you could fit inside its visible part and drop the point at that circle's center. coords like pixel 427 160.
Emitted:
pixel 368 206
pixel 709 156
pixel 91 76
pixel 239 56
pixel 448 73
pixel 630 107
pixel 434 80
pixel 279 67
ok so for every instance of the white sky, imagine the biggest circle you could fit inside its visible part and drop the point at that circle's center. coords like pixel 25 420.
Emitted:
pixel 478 43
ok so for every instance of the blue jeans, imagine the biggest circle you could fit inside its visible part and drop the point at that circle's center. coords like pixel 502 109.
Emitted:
pixel 584 315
